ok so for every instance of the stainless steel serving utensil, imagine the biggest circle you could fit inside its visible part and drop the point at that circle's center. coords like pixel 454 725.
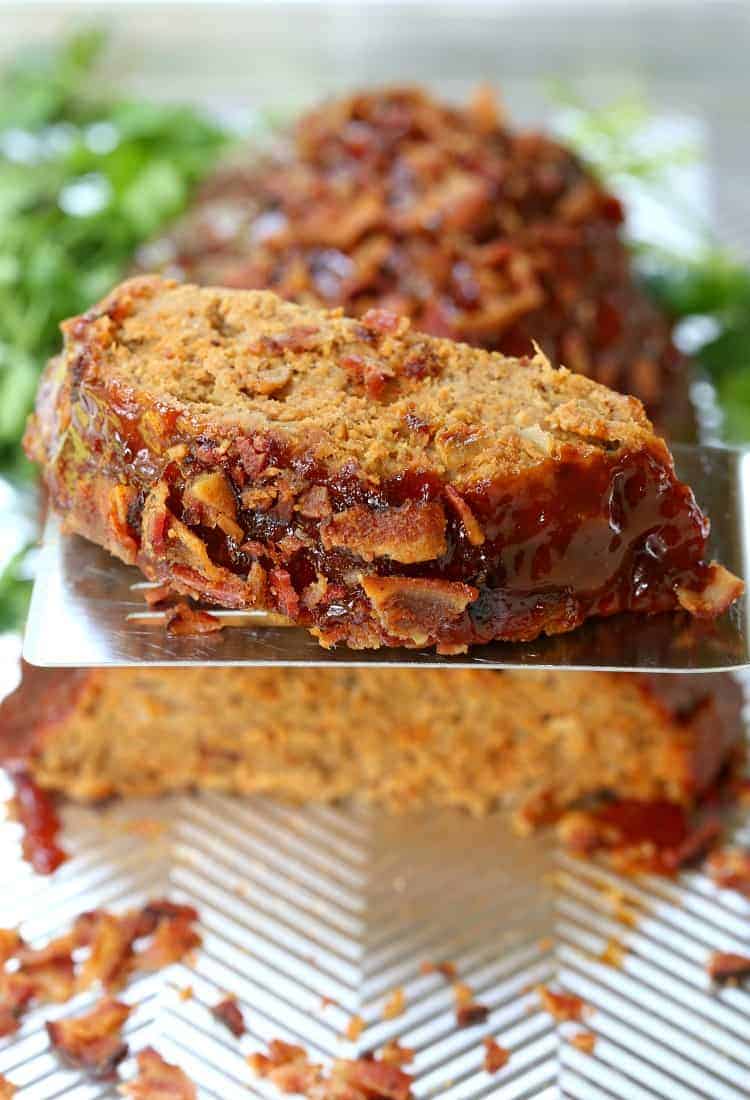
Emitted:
pixel 88 610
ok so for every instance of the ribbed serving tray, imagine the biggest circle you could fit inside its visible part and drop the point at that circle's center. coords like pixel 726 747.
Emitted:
pixel 303 906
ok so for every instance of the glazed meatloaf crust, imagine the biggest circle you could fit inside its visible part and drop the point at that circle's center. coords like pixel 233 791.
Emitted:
pixel 375 485
pixel 476 231
pixel 537 741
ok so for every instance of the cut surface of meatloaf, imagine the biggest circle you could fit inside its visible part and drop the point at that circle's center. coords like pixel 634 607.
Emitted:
pixel 476 231
pixel 401 738
pixel 375 485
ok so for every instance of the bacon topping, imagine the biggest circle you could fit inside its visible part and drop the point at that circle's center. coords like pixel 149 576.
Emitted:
pixel 158 1080
pixel 93 1041
pixel 413 532
pixel 495 1056
pixel 230 1014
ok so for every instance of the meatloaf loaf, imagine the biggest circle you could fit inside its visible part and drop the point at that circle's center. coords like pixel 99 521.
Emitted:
pixel 378 486
pixel 477 231
pixel 537 741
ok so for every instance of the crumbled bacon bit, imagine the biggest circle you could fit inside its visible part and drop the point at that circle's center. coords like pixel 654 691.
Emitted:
pixel 726 966
pixel 414 609
pixel 35 810
pixel 182 619
pixel 7 1089
pixel 730 869
pixel 110 952
pixel 719 592
pixel 230 1014
pixel 16 993
pixel 367 1078
pixel 471 1014
pixel 158 1080
pixel 393 1054
pixel 284 592
pixel 394 1005
pixel 412 532
pixel 93 1041
pixel 471 525
pixel 585 1041
pixel 10 944
pixel 157 594
pixel 495 1056
pixel 447 969
pixel 295 339
pixel 462 994
pixel 563 1006
pixel 354 1028
pixel 173 939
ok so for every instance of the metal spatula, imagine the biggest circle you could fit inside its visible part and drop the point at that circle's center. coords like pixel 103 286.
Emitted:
pixel 88 610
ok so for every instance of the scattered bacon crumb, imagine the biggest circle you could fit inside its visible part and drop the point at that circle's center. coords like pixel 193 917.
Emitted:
pixel 186 993
pixel 725 966
pixel 585 1041
pixel 93 1041
pixel 172 940
pixel 354 1028
pixel 730 869
pixel 7 1090
pixel 326 1002
pixel 156 595
pixel 182 619
pixel 447 969
pixel 462 994
pixel 495 1056
pixel 287 1066
pixel 230 1014
pixel 563 1006
pixel 158 1080
pixel 471 1014
pixel 35 810
pixel 395 1005
pixel 393 1054
pixel 109 949
pixel 10 942
pixel 613 953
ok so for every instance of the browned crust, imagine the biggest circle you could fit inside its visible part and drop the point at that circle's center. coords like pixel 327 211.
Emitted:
pixel 581 517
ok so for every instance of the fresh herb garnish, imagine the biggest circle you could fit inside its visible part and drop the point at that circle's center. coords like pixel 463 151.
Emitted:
pixel 85 177
pixel 711 282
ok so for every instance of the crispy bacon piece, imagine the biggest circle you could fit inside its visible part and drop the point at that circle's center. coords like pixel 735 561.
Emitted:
pixel 495 1056
pixel 354 1028
pixel 10 943
pixel 563 1006
pixel 393 1054
pixel 395 1004
pixel 7 1089
pixel 725 966
pixel 110 952
pixel 585 1041
pixel 730 869
pixel 93 1041
pixel 413 609
pixel 158 1080
pixel 184 620
pixel 471 1014
pixel 413 532
pixel 173 939
pixel 447 969
pixel 230 1014
pixel 16 993
pixel 366 1078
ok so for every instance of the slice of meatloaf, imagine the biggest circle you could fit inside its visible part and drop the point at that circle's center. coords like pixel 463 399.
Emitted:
pixel 401 738
pixel 378 486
